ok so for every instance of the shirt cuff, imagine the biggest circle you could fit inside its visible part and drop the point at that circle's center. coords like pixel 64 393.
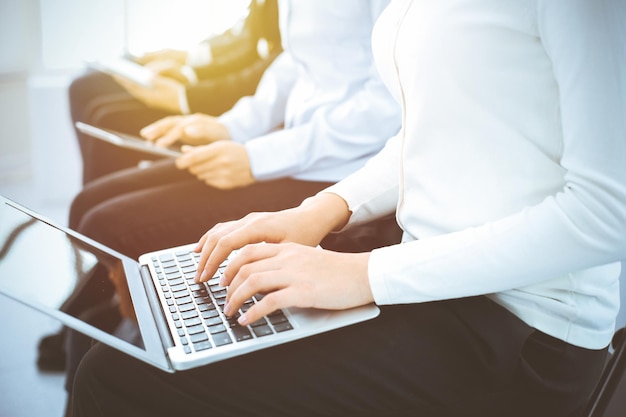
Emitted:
pixel 376 276
pixel 190 74
pixel 183 103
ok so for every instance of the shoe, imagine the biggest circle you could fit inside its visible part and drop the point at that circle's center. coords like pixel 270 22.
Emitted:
pixel 51 349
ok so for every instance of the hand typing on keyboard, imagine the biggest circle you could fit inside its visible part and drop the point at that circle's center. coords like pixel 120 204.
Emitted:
pixel 288 268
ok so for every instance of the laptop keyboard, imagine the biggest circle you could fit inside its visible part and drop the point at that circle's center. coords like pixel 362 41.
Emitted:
pixel 197 308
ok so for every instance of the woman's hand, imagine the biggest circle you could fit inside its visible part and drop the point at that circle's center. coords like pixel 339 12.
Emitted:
pixel 223 164
pixel 195 129
pixel 290 274
pixel 306 224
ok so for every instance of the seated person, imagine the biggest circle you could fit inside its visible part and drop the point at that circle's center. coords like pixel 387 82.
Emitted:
pixel 208 79
pixel 508 180
pixel 227 67
pixel 319 113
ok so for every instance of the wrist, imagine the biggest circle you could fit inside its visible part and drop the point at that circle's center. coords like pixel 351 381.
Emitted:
pixel 327 210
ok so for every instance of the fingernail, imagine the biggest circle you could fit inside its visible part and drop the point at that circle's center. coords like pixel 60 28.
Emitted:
pixel 243 320
pixel 227 309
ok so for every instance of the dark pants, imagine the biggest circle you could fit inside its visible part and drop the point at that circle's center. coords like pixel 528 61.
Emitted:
pixel 140 210
pixel 95 98
pixel 466 357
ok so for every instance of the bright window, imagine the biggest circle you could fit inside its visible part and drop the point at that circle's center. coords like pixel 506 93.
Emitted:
pixel 75 31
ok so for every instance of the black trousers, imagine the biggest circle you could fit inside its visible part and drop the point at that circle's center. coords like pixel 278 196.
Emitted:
pixel 143 209
pixel 465 357
pixel 95 98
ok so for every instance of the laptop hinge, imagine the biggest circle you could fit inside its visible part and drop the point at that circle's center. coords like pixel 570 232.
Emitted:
pixel 157 310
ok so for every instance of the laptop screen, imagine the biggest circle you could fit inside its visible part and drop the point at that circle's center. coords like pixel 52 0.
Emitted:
pixel 52 270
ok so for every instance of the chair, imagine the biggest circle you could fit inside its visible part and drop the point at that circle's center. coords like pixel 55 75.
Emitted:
pixel 605 400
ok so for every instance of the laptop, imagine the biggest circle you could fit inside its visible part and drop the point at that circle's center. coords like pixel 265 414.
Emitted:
pixel 163 317
pixel 128 141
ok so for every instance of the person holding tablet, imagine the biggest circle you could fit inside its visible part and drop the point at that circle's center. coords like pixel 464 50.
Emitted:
pixel 209 78
pixel 508 181
pixel 217 72
pixel 319 113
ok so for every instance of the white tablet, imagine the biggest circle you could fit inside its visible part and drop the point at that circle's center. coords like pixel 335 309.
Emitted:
pixel 125 140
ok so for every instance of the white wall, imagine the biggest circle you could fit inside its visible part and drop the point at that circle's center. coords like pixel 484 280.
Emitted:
pixel 18 35
pixel 45 43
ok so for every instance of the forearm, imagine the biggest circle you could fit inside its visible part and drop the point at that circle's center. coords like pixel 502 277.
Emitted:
pixel 324 213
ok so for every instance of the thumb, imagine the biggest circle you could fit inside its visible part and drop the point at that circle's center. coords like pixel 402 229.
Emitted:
pixel 184 161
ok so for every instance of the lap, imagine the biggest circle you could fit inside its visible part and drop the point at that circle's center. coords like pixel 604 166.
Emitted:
pixel 141 210
pixel 454 358
pixel 97 99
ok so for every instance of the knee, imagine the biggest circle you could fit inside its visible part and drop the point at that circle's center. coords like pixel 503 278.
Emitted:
pixel 96 224
pixel 86 89
pixel 81 204
pixel 81 89
pixel 90 381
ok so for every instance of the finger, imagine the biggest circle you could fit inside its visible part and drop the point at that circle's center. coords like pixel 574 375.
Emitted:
pixel 183 161
pixel 200 244
pixel 205 246
pixel 198 159
pixel 216 249
pixel 252 258
pixel 155 130
pixel 265 282
pixel 170 137
pixel 271 302
pixel 231 236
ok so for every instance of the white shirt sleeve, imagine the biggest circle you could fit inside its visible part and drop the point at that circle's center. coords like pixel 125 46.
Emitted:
pixel 338 132
pixel 321 110
pixel 264 111
pixel 372 191
pixel 580 227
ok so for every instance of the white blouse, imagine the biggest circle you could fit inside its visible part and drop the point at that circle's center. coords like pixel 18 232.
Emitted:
pixel 509 173
pixel 324 90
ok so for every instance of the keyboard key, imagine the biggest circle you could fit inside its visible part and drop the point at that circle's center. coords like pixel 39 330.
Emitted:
pixel 192 322
pixel 278 318
pixel 281 327
pixel 179 287
pixel 176 281
pixel 165 257
pixel 261 331
pixel 209 313
pixel 222 339
pixel 259 322
pixel 182 293
pixel 204 345
pixel 213 321
pixel 217 329
pixel 195 329
pixel 184 300
pixel 198 337
pixel 189 314
pixel 241 333
pixel 186 307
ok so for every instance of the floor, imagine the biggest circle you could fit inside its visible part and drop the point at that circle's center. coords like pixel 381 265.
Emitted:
pixel 24 390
